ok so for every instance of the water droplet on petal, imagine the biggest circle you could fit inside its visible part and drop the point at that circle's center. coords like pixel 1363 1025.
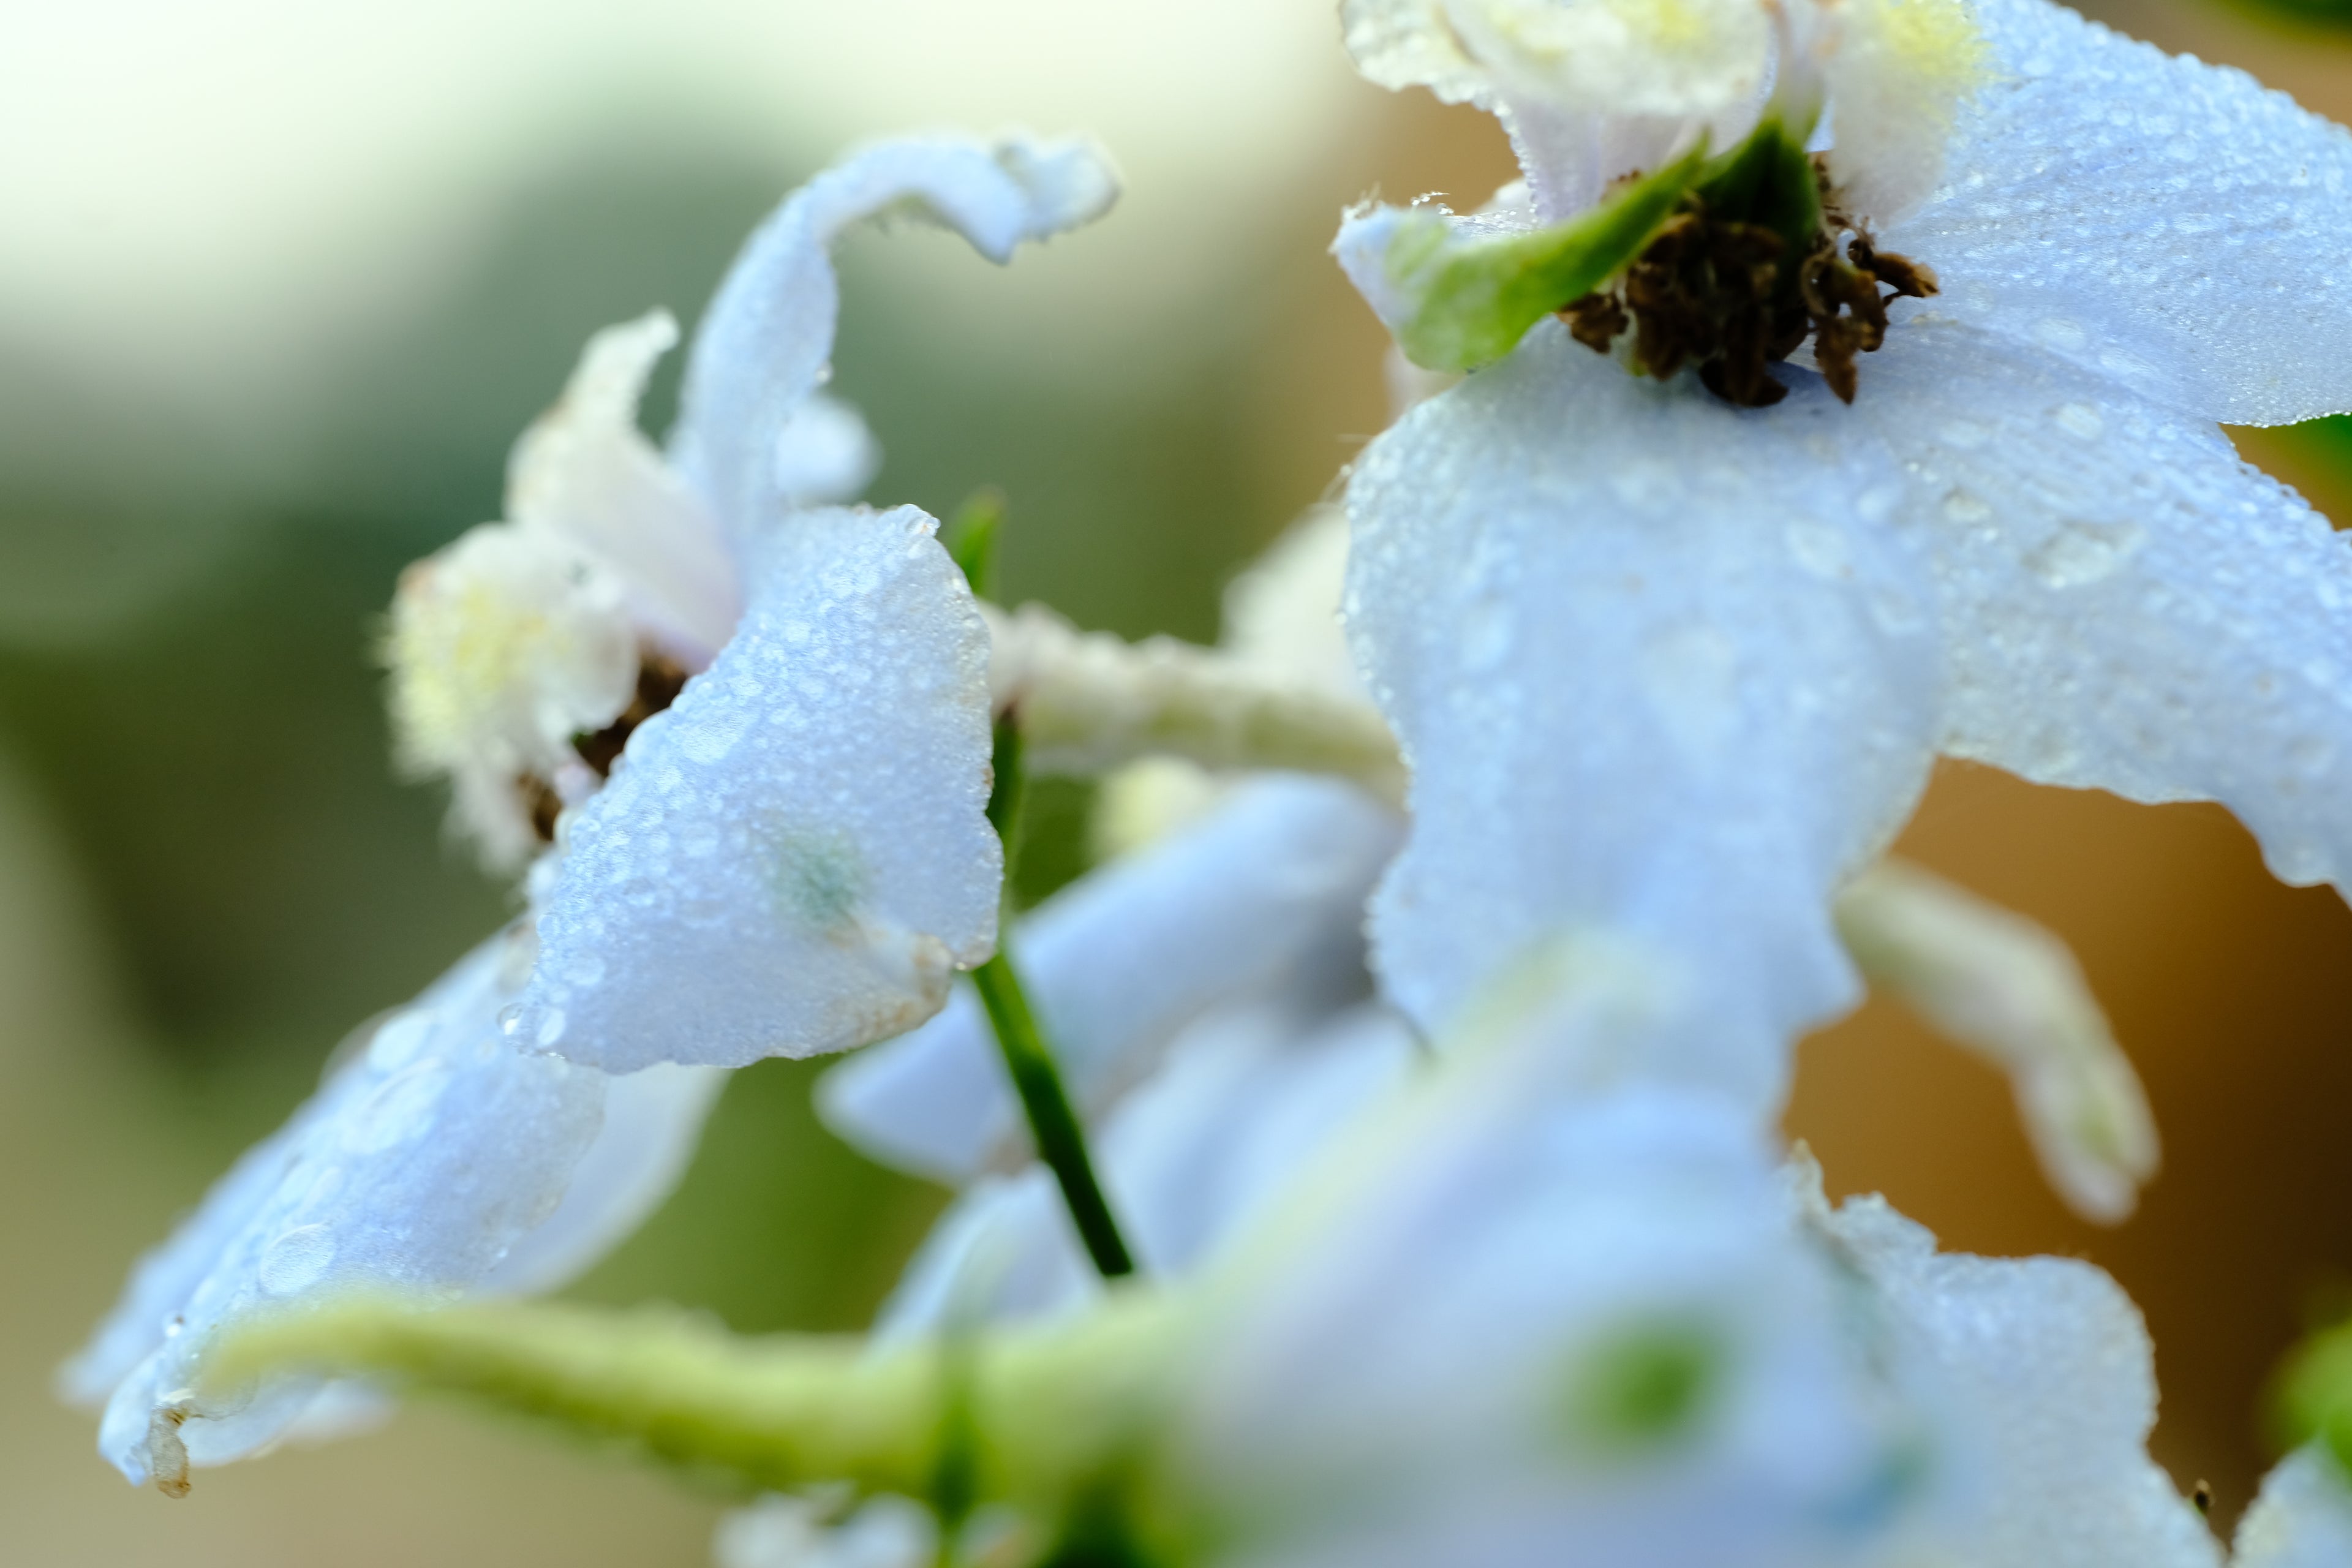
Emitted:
pixel 550 1029
pixel 297 1260
pixel 2083 553
pixel 510 1018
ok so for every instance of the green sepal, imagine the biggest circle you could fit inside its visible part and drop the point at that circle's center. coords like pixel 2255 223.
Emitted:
pixel 970 538
pixel 1768 179
pixel 1477 298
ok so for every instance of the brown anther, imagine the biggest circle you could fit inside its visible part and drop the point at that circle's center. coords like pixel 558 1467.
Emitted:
pixel 2202 1496
pixel 1910 279
pixel 543 805
pixel 1596 321
pixel 1715 293
pixel 660 680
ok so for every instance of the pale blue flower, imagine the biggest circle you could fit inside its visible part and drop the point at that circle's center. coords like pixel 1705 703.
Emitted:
pixel 1680 669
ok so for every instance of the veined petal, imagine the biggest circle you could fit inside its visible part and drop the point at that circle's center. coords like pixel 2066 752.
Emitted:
pixel 428 1156
pixel 761 348
pixel 2303 1517
pixel 1268 891
pixel 2049 1370
pixel 2151 216
pixel 585 474
pixel 1245 1099
pixel 1657 665
pixel 796 856
pixel 2128 605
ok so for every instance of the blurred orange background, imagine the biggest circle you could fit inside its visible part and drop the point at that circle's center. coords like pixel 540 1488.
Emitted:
pixel 280 288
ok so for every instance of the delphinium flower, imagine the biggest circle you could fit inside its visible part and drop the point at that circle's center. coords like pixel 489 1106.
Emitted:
pixel 1666 661
pixel 1505 1317
pixel 790 853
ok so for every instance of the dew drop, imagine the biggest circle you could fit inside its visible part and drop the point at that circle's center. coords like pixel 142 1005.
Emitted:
pixel 551 1026
pixel 510 1018
pixel 1962 507
pixel 2080 419
pixel 2083 553
pixel 297 1260
pixel 397 1111
pixel 400 1039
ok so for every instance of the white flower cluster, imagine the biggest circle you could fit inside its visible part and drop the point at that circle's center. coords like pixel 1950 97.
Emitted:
pixel 1439 1117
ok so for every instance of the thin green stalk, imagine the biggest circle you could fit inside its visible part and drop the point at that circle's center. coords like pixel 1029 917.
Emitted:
pixel 1054 1124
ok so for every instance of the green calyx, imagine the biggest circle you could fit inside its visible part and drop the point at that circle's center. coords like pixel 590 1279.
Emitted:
pixel 1478 297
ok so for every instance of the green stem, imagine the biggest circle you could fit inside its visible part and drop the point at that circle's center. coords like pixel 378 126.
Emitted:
pixel 1053 1123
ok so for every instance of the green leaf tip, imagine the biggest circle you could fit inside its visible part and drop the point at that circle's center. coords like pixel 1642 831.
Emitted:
pixel 1477 298
pixel 2312 1396
pixel 970 538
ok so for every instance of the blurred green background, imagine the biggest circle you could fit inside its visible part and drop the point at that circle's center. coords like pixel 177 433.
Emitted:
pixel 281 286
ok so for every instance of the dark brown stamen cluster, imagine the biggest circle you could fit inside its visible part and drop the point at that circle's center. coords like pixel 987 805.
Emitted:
pixel 1711 292
pixel 660 680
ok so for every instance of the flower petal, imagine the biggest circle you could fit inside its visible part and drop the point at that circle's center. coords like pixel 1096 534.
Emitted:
pixel 2128 606
pixel 429 1155
pixel 2159 219
pixel 585 473
pixel 796 856
pixel 653 1121
pixel 1268 891
pixel 762 347
pixel 1245 1099
pixel 1654 665
pixel 2303 1517
pixel 2048 1362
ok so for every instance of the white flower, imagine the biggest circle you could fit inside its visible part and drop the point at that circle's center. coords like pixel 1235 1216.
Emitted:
pixel 794 1532
pixel 1680 668
pixel 790 856
pixel 436 1158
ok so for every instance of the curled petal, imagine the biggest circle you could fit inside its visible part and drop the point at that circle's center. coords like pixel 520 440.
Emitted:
pixel 2009 990
pixel 2128 605
pixel 1655 666
pixel 583 473
pixel 763 348
pixel 1265 893
pixel 796 856
pixel 2149 217
pixel 428 1156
